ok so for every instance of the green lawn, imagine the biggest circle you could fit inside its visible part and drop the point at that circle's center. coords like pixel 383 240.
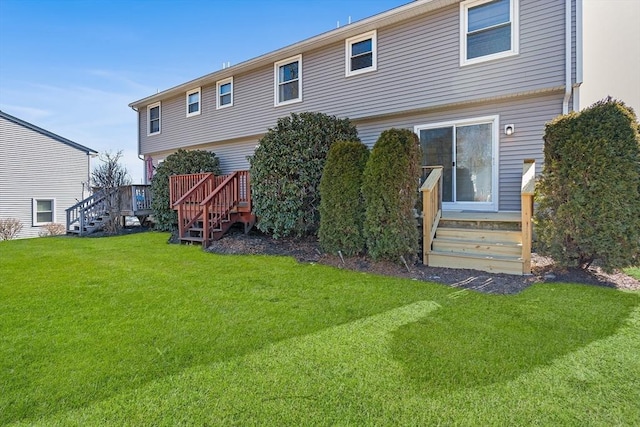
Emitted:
pixel 133 331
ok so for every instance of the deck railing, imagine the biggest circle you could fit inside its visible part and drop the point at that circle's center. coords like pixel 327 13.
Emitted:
pixel 84 212
pixel 210 200
pixel 229 195
pixel 431 209
pixel 179 185
pixel 526 194
pixel 135 198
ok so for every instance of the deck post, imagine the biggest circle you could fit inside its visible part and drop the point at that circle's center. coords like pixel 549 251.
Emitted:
pixel 431 209
pixel 527 192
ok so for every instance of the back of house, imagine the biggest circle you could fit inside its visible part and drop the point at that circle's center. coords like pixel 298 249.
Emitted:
pixel 476 80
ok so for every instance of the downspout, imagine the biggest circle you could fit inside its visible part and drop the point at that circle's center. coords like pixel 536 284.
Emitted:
pixel 140 158
pixel 567 57
pixel 576 92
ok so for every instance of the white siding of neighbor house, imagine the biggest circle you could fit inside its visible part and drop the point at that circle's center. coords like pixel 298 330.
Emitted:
pixel 418 70
pixel 33 165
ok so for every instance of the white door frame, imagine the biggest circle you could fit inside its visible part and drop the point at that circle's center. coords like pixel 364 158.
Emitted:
pixel 491 206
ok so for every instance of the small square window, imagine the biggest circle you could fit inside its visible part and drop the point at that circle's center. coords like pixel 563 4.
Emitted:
pixel 153 119
pixel 193 102
pixel 288 80
pixel 224 90
pixel 361 56
pixel 43 211
pixel 488 30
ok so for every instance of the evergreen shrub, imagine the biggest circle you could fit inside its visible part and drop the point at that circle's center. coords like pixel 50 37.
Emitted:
pixel 286 169
pixel 341 202
pixel 181 162
pixel 389 187
pixel 589 192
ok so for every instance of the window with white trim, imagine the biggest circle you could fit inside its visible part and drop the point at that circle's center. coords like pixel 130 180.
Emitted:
pixel 193 102
pixel 153 119
pixel 488 30
pixel 224 91
pixel 288 80
pixel 360 54
pixel 44 211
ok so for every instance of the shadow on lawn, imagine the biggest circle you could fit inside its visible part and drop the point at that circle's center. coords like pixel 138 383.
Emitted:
pixel 476 340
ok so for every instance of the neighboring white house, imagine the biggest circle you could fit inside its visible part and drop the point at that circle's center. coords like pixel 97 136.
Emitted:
pixel 41 174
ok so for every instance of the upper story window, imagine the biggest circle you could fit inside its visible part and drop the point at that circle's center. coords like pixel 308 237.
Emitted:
pixel 288 80
pixel 153 119
pixel 193 102
pixel 488 30
pixel 361 54
pixel 43 211
pixel 224 90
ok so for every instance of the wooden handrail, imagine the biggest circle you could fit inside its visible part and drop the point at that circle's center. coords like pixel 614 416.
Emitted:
pixel 179 185
pixel 431 209
pixel 527 190
pixel 198 186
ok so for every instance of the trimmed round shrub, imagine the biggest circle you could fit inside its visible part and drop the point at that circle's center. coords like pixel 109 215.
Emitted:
pixel 286 169
pixel 181 162
pixel 389 187
pixel 341 201
pixel 589 192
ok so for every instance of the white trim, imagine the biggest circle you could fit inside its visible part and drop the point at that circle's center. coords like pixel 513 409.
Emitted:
pixel 220 83
pixel 276 68
pixel 149 107
pixel 189 93
pixel 495 163
pixel 373 35
pixel 34 211
pixel 514 15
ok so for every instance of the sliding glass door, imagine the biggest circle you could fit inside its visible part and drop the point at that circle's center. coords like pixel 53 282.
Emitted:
pixel 467 150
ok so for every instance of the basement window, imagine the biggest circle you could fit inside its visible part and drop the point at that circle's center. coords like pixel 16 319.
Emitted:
pixel 43 211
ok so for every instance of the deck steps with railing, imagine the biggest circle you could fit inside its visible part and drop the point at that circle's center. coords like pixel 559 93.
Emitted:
pixel 209 205
pixel 479 242
pixel 496 242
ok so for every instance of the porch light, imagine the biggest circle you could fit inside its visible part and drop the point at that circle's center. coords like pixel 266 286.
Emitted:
pixel 509 129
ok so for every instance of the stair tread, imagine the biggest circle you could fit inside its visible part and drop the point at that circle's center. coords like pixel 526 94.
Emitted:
pixel 477 256
pixel 471 242
pixel 192 238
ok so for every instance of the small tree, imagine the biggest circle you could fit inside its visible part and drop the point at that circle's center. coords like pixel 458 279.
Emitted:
pixel 286 169
pixel 341 201
pixel 179 163
pixel 9 228
pixel 390 191
pixel 109 177
pixel 589 192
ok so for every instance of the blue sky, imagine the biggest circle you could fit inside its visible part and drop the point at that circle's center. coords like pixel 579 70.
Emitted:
pixel 72 67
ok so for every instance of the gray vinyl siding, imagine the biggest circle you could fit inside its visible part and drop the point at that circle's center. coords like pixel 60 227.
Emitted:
pixel 33 165
pixel 528 114
pixel 418 70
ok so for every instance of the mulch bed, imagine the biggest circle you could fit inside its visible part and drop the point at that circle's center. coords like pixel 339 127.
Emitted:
pixel 308 250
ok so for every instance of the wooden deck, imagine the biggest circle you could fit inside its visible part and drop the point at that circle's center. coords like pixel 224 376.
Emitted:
pixel 208 205
pixel 90 214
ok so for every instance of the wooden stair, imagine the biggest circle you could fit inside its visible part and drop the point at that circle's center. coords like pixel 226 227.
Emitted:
pixel 489 242
pixel 208 205
pixel 496 242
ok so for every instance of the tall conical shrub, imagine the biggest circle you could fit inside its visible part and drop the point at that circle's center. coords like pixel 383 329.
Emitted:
pixel 390 189
pixel 589 193
pixel 341 201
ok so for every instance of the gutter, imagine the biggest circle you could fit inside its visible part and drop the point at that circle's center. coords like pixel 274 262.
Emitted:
pixel 568 88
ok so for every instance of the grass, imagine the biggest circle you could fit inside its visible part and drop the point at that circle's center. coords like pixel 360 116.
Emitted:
pixel 130 330
pixel 633 272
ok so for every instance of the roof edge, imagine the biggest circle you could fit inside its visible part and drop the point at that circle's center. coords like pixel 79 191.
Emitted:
pixel 45 132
